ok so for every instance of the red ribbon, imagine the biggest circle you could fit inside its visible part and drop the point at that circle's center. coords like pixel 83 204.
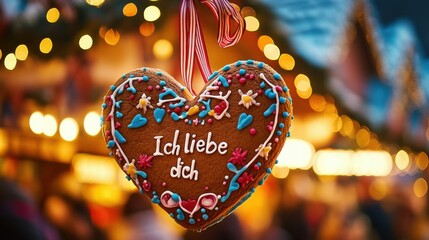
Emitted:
pixel 192 39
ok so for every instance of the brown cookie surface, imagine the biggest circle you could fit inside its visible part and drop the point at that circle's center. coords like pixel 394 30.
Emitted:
pixel 198 158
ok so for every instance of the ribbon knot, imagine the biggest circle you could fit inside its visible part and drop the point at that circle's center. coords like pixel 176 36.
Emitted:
pixel 192 40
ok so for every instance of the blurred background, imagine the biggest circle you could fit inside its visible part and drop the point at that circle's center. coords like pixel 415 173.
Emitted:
pixel 355 166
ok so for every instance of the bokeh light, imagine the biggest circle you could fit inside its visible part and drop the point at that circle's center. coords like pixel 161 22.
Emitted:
pixel 420 187
pixel 85 42
pixel 280 172
pixel 146 29
pixel 50 125
pixel 45 45
pixel 263 41
pixel 91 123
pixel 271 51
pixel 296 153
pixel 162 49
pixel 303 86
pixel 151 13
pixel 21 52
pixel 10 61
pixel 112 37
pixel 95 3
pixel 286 61
pixel 52 15
pixel 36 122
pixel 252 23
pixel 422 160
pixel 129 10
pixel 402 160
pixel 69 129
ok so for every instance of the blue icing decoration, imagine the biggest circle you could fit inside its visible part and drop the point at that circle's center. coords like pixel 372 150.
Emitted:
pixel 118 104
pixel 281 125
pixel 262 85
pixel 285 114
pixel 119 114
pixel 180 216
pixel 159 114
pixel 191 221
pixel 184 114
pixel 175 117
pixel 277 76
pixel 242 71
pixel 290 99
pixel 207 110
pixel 260 65
pixel 223 81
pixel 101 120
pixel 231 167
pixel 124 76
pixel 156 200
pixel 277 161
pixel 162 83
pixel 175 197
pixel 138 121
pixel 213 75
pixel 226 68
pixel 172 215
pixel 250 62
pixel 145 78
pixel 270 94
pixel 119 137
pixel 132 89
pixel 279 133
pixel 233 185
pixel 189 122
pixel 159 73
pixel 244 120
pixel 270 110
pixel 169 91
pixel 205 216
pixel 111 144
pixel 144 69
pixel 259 164
pixel 268 170
pixel 238 63
pixel 121 90
pixel 203 210
pixel 282 100
pixel 142 174
pixel 288 134
pixel 103 106
pixel 113 87
pixel 285 89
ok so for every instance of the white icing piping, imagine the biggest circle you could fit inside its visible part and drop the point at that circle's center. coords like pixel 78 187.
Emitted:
pixel 197 206
pixel 220 97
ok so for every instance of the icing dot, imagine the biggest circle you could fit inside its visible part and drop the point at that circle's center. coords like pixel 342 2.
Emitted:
pixel 206 188
pixel 247 75
pixel 262 85
pixel 271 123
pixel 229 77
pixel 288 134
pixel 216 208
pixel 242 72
pixel 281 125
pixel 224 183
pixel 227 177
pixel 124 76
pixel 260 65
pixel 277 161
pixel 210 121
pixel 242 81
pixel 229 81
pixel 131 75
pixel 238 64
pixel 150 88
pixel 145 78
pixel 237 75
pixel 256 167
pixel 260 92
pixel 219 196
pixel 285 89
pixel 177 110
pixel 164 184
pixel 104 105
pixel 250 62
pixel 218 83
pixel 224 193
pixel 268 170
pixel 144 69
pixel 252 76
pixel 159 73
pixel 158 87
pixel 186 107
pixel 112 87
pixel 252 131
pixel 259 164
pixel 203 210
pixel 276 140
pixel 162 83
pixel 279 89
pixel 279 133
pixel 226 68
pixel 205 216
pixel 172 215
pixel 285 114
pixel 276 76
pixel 191 221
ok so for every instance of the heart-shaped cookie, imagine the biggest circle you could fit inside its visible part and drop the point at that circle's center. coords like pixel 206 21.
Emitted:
pixel 198 158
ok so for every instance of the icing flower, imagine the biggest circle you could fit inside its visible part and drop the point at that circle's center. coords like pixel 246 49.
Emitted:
pixel 144 161
pixel 245 179
pixel 144 103
pixel 130 169
pixel 248 99
pixel 238 157
pixel 264 150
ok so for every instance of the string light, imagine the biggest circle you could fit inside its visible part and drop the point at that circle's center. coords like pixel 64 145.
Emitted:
pixel 363 137
pixel 10 61
pixel 36 122
pixel 280 172
pixel 420 187
pixel 151 13
pixel 286 61
pixel 147 28
pixel 303 86
pixel 296 153
pixel 85 42
pixel 49 125
pixel 252 23
pixel 263 41
pixel 95 3
pixel 1 53
pixel 21 52
pixel 162 49
pixel 69 129
pixel 46 45
pixel 271 51
pixel 52 15
pixel 402 160
pixel 112 37
pixel 91 123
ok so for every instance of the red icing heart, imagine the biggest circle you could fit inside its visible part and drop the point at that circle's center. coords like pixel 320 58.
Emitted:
pixel 213 150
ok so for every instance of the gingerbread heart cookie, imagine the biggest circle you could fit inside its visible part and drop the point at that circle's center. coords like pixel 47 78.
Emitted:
pixel 199 157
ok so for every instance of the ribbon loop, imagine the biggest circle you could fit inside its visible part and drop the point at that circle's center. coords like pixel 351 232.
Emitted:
pixel 192 39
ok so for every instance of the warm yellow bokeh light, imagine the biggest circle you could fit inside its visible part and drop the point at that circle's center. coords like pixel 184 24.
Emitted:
pixel 69 129
pixel 303 86
pixel 46 45
pixel 271 51
pixel 1 53
pixel 420 187
pixel 21 52
pixel 85 42
pixel 422 161
pixel 280 172
pixel 52 15
pixel 263 41
pixel 36 122
pixel 296 153
pixel 363 137
pixel 95 3
pixel 91 123
pixel 151 13
pixel 252 23
pixel 286 61
pixel 147 28
pixel 49 125
pixel 102 31
pixel 378 189
pixel 112 37
pixel 317 102
pixel 129 10
pixel 248 11
pixel 347 128
pixel 402 160
pixel 10 61
pixel 162 49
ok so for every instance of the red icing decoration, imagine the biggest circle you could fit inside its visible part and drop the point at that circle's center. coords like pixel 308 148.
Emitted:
pixel 252 131
pixel 144 161
pixel 220 107
pixel 189 205
pixel 146 185
pixel 118 125
pixel 238 157
pixel 245 179
pixel 150 88
pixel 242 81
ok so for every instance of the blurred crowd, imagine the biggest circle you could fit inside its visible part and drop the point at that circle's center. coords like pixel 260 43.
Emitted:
pixel 295 209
